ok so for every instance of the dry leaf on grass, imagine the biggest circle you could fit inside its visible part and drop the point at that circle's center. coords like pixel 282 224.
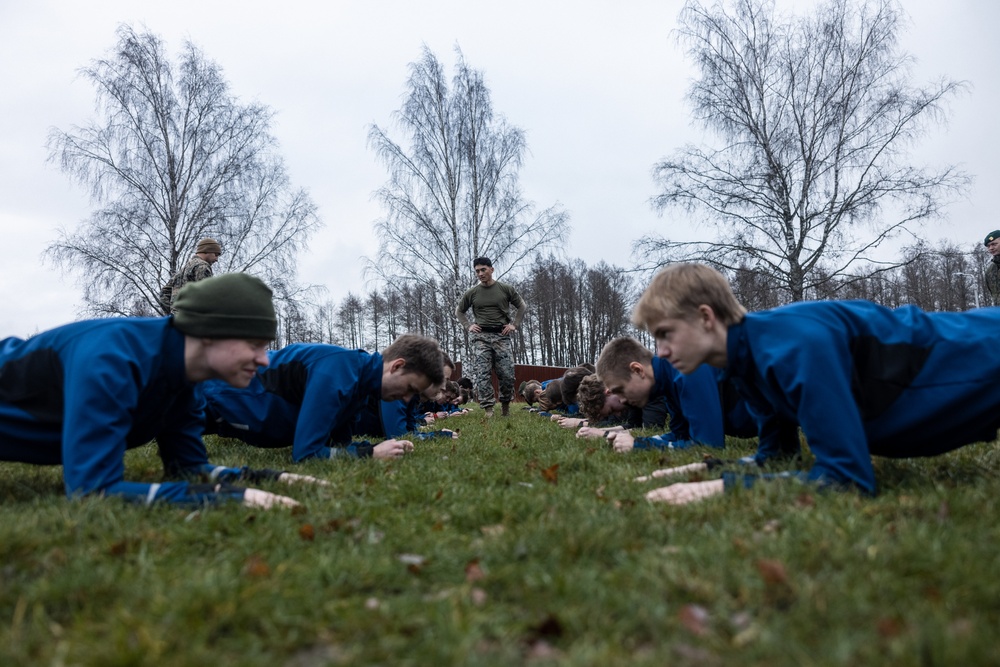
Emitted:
pixel 255 566
pixel 694 618
pixel 551 474
pixel 307 532
pixel 772 572
pixel 473 572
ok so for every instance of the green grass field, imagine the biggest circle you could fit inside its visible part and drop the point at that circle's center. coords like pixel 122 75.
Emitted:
pixel 516 544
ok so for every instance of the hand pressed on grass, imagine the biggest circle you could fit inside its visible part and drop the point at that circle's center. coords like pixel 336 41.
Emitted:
pixel 592 432
pixel 622 441
pixel 392 449
pixel 686 492
pixel 266 500
pixel 673 472
pixel 295 478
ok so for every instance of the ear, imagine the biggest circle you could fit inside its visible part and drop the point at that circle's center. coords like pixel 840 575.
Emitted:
pixel 706 316
pixel 396 364
pixel 637 368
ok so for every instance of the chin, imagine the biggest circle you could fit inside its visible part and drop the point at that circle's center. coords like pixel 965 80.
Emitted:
pixel 242 381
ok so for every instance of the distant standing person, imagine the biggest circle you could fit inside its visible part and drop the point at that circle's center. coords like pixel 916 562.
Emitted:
pixel 197 268
pixel 992 277
pixel 491 301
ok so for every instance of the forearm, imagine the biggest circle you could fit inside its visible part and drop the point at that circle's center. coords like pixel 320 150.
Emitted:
pixel 519 314
pixel 354 450
pixel 665 441
pixel 429 435
pixel 175 493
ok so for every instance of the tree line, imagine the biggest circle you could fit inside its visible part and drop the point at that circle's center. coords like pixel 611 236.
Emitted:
pixel 801 177
pixel 574 309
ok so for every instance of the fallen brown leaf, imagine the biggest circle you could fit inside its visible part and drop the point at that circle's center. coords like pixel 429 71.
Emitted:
pixel 119 548
pixel 255 566
pixel 772 572
pixel 805 501
pixel 473 572
pixel 551 474
pixel 694 618
pixel 307 532
pixel 890 627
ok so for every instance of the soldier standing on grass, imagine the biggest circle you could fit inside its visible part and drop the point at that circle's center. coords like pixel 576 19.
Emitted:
pixel 197 268
pixel 491 301
pixel 992 277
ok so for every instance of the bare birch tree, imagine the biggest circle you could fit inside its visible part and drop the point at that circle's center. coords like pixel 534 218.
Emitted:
pixel 174 157
pixel 453 192
pixel 814 116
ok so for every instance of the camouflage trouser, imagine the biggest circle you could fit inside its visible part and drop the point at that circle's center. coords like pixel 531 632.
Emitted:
pixel 492 352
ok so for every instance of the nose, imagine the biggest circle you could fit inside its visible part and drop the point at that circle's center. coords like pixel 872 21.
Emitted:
pixel 662 349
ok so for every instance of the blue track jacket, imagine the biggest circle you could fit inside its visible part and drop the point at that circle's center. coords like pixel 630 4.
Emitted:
pixel 693 404
pixel 308 397
pixel 81 394
pixel 698 413
pixel 861 379
pixel 393 419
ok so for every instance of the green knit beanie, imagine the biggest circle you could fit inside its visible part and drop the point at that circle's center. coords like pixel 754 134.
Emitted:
pixel 233 305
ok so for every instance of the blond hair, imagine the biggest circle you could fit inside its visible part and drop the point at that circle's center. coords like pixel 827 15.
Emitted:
pixel 679 289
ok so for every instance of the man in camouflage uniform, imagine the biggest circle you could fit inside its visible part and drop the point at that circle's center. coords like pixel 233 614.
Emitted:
pixel 490 301
pixel 198 268
pixel 992 274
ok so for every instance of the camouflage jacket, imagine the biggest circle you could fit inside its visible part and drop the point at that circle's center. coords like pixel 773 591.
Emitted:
pixel 196 269
pixel 992 279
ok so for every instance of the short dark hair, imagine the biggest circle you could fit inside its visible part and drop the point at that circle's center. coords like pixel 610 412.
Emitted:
pixel 422 355
pixel 552 397
pixel 618 354
pixel 571 382
pixel 482 261
pixel 527 390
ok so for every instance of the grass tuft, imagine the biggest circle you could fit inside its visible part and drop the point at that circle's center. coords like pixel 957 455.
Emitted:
pixel 515 544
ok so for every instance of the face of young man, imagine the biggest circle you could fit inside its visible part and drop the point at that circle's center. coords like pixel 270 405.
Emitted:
pixel 685 343
pixel 484 273
pixel 210 257
pixel 633 390
pixel 235 360
pixel 398 384
pixel 613 405
pixel 993 247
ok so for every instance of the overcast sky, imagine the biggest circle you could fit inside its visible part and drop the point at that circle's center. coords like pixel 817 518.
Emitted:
pixel 598 87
